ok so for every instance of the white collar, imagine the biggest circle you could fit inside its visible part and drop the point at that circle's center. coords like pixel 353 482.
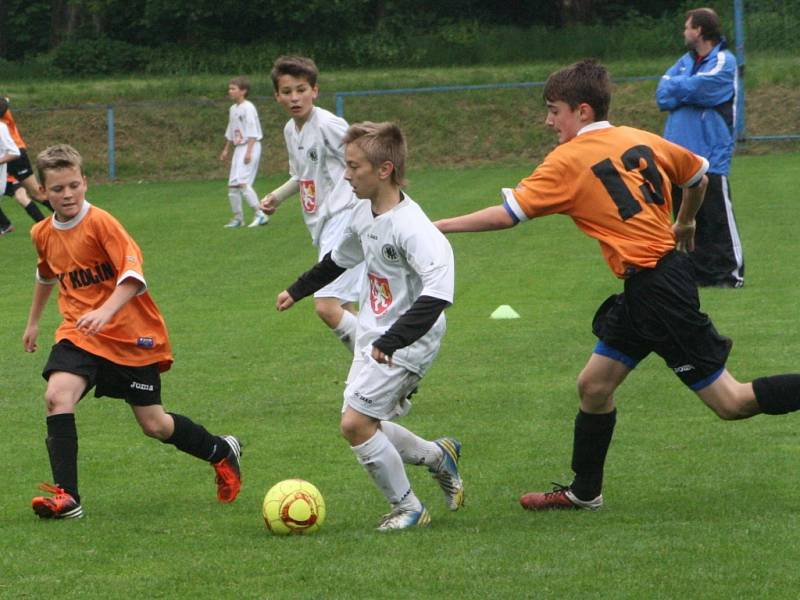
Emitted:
pixel 74 221
pixel 594 126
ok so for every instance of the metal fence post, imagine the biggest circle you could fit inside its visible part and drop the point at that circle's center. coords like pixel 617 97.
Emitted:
pixel 340 105
pixel 738 25
pixel 112 161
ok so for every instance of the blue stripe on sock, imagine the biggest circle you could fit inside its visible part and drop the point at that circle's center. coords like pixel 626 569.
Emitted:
pixel 604 349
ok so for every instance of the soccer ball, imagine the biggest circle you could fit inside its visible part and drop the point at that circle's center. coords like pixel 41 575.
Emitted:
pixel 293 506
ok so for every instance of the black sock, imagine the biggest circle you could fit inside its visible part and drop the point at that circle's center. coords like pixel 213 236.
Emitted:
pixel 4 222
pixel 778 394
pixel 590 445
pixel 62 446
pixel 193 439
pixel 34 212
pixel 48 205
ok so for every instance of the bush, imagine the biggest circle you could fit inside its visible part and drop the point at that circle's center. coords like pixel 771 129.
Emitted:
pixel 100 56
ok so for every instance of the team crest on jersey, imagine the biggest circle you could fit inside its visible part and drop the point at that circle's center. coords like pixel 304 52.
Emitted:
pixel 390 253
pixel 308 195
pixel 313 155
pixel 380 294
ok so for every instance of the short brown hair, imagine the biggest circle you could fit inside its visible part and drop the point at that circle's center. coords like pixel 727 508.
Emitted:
pixel 54 158
pixel 243 83
pixel 708 22
pixel 296 66
pixel 381 142
pixel 584 81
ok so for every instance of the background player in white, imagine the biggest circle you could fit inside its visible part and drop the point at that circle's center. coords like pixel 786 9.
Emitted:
pixel 244 134
pixel 316 168
pixel 401 322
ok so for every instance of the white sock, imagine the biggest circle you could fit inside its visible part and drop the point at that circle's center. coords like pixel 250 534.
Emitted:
pixel 235 198
pixel 346 330
pixel 413 449
pixel 383 463
pixel 252 198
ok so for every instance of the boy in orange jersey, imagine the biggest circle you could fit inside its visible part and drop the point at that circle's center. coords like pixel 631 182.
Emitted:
pixel 112 337
pixel 615 183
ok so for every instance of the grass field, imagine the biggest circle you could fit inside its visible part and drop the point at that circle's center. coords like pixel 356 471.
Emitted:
pixel 695 507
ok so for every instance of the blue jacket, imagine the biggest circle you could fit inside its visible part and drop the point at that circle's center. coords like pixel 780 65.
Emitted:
pixel 701 100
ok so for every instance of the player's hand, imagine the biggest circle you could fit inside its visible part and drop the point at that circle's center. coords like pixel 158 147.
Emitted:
pixel 223 156
pixel 269 204
pixel 684 235
pixel 29 338
pixel 284 301
pixel 247 158
pixel 381 357
pixel 93 321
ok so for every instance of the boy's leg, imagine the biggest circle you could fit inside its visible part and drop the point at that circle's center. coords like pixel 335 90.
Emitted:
pixel 732 400
pixel 5 224
pixel 222 452
pixel 338 316
pixel 64 391
pixel 30 207
pixel 249 194
pixel 594 428
pixel 235 199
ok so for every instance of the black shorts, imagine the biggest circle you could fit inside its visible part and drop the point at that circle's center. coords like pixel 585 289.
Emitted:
pixel 21 167
pixel 659 312
pixel 138 386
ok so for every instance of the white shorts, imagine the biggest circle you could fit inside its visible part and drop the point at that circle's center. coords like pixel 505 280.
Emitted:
pixel 244 174
pixel 378 390
pixel 346 287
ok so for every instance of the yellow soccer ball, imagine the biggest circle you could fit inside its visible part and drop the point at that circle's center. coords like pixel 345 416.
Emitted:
pixel 293 506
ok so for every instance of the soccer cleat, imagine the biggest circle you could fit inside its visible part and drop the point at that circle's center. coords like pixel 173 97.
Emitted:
pixel 447 474
pixel 403 519
pixel 229 475
pixel 560 497
pixel 60 506
pixel 259 219
pixel 234 223
pixel 7 230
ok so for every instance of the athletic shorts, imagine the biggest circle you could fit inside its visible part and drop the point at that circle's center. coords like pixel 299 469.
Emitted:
pixel 241 173
pixel 346 287
pixel 659 312
pixel 21 167
pixel 378 390
pixel 138 386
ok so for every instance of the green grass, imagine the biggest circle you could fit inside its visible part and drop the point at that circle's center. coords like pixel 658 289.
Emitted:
pixel 695 507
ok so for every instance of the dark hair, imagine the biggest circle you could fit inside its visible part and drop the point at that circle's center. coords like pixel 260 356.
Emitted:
pixel 381 142
pixel 3 105
pixel 243 83
pixel 585 81
pixel 708 22
pixel 296 66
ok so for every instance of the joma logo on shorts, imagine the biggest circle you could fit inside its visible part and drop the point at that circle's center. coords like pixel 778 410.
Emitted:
pixel 362 397
pixel 683 368
pixel 141 386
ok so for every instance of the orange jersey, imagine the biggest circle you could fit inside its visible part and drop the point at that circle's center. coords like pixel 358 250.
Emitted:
pixel 8 119
pixel 615 183
pixel 87 258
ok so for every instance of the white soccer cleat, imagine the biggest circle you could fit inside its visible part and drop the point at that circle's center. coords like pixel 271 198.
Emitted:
pixel 400 518
pixel 259 220
pixel 234 223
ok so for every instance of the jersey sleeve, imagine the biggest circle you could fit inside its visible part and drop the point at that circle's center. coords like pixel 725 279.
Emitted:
pixel 429 253
pixel 229 130
pixel 252 127
pixel 333 132
pixel 44 274
pixel 683 167
pixel 7 144
pixel 545 192
pixel 123 252
pixel 348 252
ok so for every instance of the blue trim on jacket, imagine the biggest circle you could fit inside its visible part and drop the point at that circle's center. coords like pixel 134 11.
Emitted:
pixel 701 100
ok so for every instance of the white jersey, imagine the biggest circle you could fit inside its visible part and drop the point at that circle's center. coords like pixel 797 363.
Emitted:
pixel 316 162
pixel 7 146
pixel 406 257
pixel 243 123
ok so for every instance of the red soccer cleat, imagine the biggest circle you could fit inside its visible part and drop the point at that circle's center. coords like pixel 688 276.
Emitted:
pixel 229 476
pixel 561 497
pixel 60 506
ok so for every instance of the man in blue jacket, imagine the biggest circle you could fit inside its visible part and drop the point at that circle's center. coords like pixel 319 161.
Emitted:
pixel 699 91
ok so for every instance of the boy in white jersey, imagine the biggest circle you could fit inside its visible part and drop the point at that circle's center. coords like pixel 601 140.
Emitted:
pixel 411 275
pixel 244 134
pixel 316 169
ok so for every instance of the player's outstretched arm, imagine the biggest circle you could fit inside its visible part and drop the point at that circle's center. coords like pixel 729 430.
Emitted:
pixel 271 202
pixel 684 226
pixel 488 219
pixel 41 293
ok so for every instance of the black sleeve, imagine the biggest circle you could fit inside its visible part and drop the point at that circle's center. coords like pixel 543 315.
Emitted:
pixel 412 325
pixel 317 277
